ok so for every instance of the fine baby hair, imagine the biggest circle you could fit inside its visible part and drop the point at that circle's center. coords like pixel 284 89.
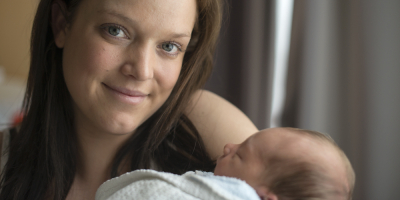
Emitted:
pixel 299 179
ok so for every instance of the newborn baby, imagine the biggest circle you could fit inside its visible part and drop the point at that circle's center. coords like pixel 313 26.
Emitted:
pixel 288 163
pixel 278 163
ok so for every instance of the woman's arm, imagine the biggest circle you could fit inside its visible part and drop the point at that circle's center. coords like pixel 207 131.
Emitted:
pixel 218 121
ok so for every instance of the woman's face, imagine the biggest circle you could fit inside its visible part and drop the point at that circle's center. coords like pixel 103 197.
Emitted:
pixel 122 58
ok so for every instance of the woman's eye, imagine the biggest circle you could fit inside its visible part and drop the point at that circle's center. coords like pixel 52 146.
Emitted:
pixel 171 48
pixel 115 31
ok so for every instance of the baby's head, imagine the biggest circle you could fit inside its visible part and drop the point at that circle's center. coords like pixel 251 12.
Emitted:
pixel 289 163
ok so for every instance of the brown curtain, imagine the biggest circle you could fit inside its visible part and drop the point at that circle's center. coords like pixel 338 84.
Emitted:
pixel 343 78
pixel 242 68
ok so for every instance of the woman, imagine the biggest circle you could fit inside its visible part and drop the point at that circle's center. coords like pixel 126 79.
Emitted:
pixel 113 87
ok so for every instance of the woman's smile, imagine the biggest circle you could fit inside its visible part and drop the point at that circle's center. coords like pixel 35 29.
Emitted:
pixel 133 97
pixel 121 59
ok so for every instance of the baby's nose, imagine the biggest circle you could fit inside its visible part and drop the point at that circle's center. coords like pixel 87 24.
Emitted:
pixel 228 148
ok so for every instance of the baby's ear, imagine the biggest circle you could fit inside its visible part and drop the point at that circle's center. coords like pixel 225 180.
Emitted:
pixel 59 22
pixel 265 194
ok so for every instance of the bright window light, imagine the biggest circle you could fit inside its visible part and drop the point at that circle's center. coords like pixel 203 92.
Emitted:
pixel 283 27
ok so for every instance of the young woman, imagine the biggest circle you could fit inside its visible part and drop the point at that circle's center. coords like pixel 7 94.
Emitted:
pixel 113 87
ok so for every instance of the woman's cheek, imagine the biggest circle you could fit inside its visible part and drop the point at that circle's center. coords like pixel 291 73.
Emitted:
pixel 101 58
pixel 169 74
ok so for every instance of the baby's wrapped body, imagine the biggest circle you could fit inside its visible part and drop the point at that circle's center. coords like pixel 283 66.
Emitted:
pixel 150 184
pixel 277 163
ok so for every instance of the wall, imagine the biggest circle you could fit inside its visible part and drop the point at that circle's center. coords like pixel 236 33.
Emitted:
pixel 16 17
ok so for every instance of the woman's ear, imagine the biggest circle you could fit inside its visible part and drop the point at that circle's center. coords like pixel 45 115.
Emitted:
pixel 59 22
pixel 265 194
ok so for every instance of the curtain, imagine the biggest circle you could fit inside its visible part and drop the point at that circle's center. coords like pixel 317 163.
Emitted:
pixel 242 67
pixel 343 78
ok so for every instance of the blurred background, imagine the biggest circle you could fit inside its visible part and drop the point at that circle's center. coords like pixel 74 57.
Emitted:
pixel 16 17
pixel 328 65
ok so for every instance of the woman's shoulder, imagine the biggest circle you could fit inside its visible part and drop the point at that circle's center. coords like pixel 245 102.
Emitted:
pixel 5 139
pixel 218 121
pixel 4 142
pixel 2 134
pixel 1 141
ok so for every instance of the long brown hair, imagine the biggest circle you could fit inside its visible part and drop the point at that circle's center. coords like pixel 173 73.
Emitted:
pixel 42 155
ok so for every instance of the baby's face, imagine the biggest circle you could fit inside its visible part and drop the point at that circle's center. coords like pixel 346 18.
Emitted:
pixel 247 161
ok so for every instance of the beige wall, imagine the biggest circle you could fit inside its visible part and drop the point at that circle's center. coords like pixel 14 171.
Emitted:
pixel 16 17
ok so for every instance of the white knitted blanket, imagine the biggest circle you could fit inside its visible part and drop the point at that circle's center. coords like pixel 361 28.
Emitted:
pixel 150 184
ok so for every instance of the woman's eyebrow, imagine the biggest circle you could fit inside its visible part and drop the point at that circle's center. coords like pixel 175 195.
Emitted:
pixel 118 15
pixel 179 35
pixel 129 20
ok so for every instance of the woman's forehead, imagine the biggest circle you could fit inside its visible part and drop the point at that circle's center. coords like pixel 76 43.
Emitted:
pixel 165 14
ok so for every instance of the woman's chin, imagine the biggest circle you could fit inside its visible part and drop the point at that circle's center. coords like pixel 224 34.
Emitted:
pixel 118 127
pixel 122 130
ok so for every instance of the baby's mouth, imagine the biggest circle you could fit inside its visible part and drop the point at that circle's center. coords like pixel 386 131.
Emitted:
pixel 221 157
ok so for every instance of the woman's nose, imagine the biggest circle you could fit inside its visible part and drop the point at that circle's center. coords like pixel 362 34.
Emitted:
pixel 140 63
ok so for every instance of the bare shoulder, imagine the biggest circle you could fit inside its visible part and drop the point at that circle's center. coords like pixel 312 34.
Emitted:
pixel 218 121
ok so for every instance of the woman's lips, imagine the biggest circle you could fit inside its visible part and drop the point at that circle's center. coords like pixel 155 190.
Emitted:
pixel 127 95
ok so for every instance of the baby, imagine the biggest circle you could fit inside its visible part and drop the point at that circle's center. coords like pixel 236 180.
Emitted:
pixel 288 163
pixel 278 163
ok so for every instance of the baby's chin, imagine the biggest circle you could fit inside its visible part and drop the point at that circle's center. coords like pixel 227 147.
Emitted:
pixel 217 173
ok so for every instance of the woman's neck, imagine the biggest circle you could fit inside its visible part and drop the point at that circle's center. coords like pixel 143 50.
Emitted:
pixel 96 152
